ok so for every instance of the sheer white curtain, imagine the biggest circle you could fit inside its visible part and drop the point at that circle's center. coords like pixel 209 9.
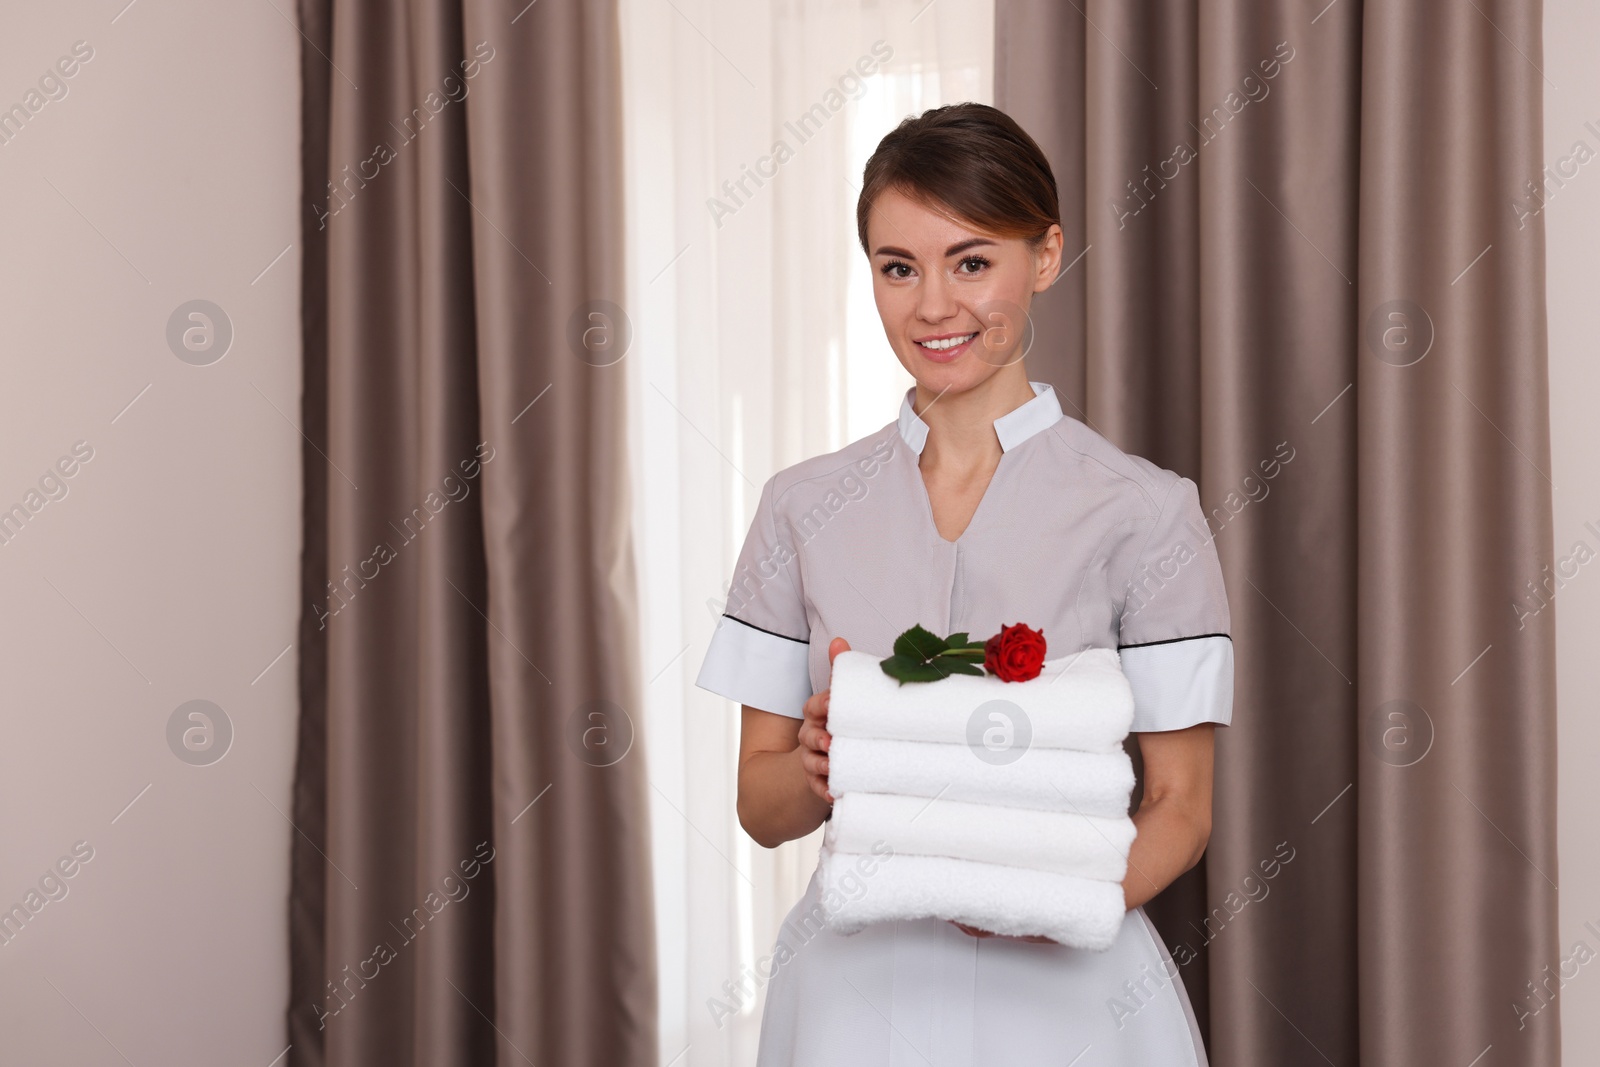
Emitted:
pixel 755 345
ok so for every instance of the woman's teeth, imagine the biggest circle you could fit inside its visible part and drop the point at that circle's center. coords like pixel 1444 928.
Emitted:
pixel 947 343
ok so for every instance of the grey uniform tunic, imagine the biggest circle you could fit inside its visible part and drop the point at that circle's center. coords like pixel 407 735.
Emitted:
pixel 1091 545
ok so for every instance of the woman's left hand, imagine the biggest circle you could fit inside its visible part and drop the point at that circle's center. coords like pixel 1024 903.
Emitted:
pixel 1036 939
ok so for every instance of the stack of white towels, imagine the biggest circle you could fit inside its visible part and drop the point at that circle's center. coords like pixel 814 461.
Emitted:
pixel 1037 845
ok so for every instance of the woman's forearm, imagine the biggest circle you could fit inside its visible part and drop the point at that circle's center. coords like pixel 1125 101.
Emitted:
pixel 1169 841
pixel 775 802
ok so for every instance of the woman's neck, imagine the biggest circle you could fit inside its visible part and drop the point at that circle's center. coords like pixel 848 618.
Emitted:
pixel 961 425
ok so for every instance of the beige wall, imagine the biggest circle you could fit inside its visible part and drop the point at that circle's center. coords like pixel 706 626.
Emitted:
pixel 1572 221
pixel 167 572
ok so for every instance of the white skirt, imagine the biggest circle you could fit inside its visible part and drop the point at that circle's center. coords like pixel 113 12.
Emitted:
pixel 921 993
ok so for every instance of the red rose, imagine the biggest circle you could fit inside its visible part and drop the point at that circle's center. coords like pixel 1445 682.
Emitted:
pixel 1015 654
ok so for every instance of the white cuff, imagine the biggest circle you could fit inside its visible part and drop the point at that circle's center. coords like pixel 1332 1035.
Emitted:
pixel 752 666
pixel 1180 683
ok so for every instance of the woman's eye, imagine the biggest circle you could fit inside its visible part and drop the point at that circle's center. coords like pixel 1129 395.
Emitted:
pixel 977 263
pixel 890 269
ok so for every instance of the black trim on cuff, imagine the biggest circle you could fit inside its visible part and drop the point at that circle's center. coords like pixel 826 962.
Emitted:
pixel 763 629
pixel 1170 640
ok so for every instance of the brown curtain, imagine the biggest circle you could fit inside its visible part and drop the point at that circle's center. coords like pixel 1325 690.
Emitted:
pixel 471 880
pixel 1309 287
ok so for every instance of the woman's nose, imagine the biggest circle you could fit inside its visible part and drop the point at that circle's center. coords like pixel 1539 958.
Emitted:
pixel 934 300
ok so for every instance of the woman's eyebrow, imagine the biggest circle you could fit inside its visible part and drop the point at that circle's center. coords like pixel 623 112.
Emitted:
pixel 955 249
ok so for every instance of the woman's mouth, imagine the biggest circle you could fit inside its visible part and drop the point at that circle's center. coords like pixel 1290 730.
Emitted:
pixel 946 348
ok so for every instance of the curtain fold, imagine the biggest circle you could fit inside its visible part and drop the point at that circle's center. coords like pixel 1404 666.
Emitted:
pixel 1305 283
pixel 471 873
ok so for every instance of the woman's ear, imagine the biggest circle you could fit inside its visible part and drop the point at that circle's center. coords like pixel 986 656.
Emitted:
pixel 1047 259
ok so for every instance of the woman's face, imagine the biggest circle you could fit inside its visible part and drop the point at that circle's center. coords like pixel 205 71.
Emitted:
pixel 953 300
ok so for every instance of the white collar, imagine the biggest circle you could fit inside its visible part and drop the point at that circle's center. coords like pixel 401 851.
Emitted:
pixel 1013 428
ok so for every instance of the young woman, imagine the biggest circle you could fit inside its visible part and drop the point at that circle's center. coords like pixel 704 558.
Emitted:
pixel 981 505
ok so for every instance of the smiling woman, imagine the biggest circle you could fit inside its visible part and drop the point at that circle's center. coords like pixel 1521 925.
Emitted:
pixel 1000 507
pixel 985 199
pixel 958 214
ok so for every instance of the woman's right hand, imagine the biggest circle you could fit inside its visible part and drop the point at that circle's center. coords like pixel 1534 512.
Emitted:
pixel 814 736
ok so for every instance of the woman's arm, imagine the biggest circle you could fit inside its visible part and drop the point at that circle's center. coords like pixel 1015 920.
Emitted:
pixel 783 769
pixel 1174 816
pixel 776 803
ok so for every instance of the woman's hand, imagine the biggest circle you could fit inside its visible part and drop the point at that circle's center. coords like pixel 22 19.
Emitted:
pixel 1035 939
pixel 814 736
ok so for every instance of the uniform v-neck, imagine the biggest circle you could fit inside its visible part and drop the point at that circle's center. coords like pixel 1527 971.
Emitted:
pixel 927 501
pixel 1013 428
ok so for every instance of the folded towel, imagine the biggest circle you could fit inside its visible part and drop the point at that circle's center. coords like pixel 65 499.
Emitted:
pixel 1059 842
pixel 1041 779
pixel 1082 701
pixel 1080 912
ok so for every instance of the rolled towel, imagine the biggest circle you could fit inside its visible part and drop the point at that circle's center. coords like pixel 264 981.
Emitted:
pixel 1086 846
pixel 1082 701
pixel 1042 779
pixel 1080 912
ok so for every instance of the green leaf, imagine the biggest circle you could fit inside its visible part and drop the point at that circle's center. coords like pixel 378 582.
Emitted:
pixel 922 656
pixel 947 666
pixel 920 672
pixel 919 644
pixel 895 662
pixel 958 667
pixel 910 669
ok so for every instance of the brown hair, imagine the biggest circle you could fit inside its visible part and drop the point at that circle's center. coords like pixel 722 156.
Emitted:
pixel 975 162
